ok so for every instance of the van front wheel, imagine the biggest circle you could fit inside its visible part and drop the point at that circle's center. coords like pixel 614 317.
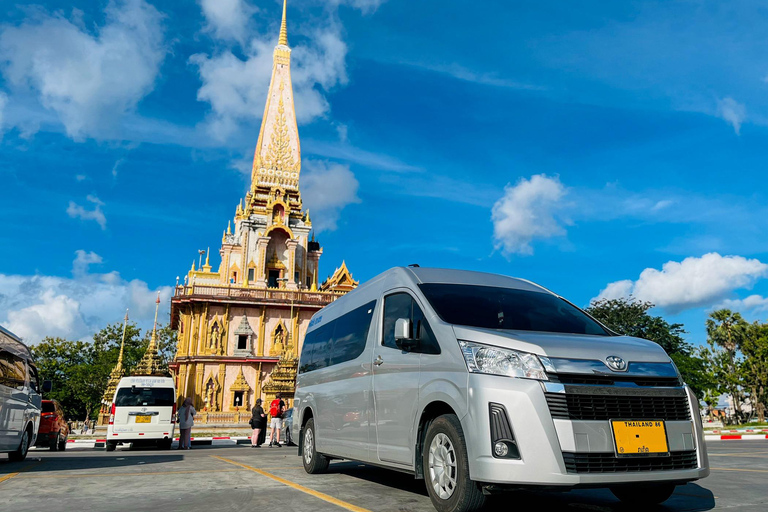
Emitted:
pixel 313 462
pixel 446 468
pixel 21 453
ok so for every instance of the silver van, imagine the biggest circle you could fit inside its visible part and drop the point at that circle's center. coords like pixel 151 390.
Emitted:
pixel 479 383
pixel 20 400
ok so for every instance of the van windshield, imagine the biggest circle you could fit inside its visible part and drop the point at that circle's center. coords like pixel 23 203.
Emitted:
pixel 490 307
pixel 139 397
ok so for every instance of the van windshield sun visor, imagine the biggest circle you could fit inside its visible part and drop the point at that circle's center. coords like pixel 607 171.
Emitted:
pixel 490 307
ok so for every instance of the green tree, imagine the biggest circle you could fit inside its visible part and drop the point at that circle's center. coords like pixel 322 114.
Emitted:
pixel 58 360
pixel 630 317
pixel 754 348
pixel 726 331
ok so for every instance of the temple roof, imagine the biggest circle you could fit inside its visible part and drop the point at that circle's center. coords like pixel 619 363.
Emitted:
pixel 341 280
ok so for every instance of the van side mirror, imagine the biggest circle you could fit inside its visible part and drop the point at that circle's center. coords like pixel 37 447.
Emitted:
pixel 47 386
pixel 403 338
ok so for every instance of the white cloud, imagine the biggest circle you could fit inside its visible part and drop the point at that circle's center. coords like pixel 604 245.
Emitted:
pixel 733 112
pixel 83 260
pixel 753 303
pixel 693 282
pixel 81 177
pixel 326 189
pixel 236 89
pixel 365 6
pixel 227 19
pixel 89 79
pixel 76 307
pixel 528 211
pixel 75 211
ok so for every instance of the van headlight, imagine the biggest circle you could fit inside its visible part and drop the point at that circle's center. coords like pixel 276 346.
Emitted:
pixel 502 361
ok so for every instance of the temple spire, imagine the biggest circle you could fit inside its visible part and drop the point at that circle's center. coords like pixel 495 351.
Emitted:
pixel 119 365
pixel 283 28
pixel 151 363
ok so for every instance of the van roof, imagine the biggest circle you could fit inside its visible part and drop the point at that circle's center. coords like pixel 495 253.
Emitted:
pixel 11 343
pixel 454 276
pixel 145 381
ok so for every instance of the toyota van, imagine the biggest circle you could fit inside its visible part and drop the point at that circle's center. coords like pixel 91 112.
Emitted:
pixel 143 412
pixel 481 383
pixel 20 399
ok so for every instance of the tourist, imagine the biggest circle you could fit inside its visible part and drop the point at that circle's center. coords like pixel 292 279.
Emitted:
pixel 186 420
pixel 258 423
pixel 276 410
pixel 85 426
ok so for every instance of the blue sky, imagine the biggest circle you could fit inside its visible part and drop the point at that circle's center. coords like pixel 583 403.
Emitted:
pixel 599 149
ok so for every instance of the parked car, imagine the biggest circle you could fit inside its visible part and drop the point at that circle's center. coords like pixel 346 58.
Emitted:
pixel 20 399
pixel 481 383
pixel 287 426
pixel 54 430
pixel 143 412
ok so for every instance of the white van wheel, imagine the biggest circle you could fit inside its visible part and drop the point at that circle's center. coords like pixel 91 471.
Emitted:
pixel 313 462
pixel 446 468
pixel 21 453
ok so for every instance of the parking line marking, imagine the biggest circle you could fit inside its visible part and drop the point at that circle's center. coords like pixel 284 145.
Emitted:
pixel 141 473
pixel 298 487
pixel 11 475
pixel 739 469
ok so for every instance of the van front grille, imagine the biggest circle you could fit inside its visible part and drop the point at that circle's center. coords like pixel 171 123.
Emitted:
pixel 609 463
pixel 611 380
pixel 607 407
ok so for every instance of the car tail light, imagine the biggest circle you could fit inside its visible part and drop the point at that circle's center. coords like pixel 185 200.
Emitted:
pixel 47 414
pixel 112 415
pixel 173 414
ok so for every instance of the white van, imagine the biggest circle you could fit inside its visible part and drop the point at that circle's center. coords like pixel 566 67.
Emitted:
pixel 143 412
pixel 480 383
pixel 20 400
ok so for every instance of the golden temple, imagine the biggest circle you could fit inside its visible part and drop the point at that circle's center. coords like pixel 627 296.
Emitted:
pixel 240 328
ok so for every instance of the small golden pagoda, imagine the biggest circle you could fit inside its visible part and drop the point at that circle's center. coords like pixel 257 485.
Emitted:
pixel 117 373
pixel 240 327
pixel 151 363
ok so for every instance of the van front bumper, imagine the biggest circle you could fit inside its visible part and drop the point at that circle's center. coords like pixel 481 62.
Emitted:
pixel 557 452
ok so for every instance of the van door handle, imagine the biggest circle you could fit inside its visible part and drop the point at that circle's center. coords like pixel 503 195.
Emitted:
pixel 378 361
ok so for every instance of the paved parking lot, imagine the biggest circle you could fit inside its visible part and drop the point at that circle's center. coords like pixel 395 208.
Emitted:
pixel 221 478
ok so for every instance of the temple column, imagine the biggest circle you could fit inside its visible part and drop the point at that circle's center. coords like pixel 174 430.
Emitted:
pixel 199 388
pixel 261 261
pixel 291 245
pixel 313 259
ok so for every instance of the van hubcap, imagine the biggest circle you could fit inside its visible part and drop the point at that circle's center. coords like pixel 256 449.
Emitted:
pixel 442 466
pixel 24 444
pixel 308 446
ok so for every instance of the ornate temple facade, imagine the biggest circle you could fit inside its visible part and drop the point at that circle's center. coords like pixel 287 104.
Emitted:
pixel 240 327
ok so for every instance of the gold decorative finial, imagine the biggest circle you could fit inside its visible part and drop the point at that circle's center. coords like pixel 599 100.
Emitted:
pixel 283 28
pixel 122 344
pixel 153 340
pixel 193 265
pixel 207 264
pixel 229 227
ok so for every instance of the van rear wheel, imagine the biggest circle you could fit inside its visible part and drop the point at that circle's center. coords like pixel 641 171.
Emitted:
pixel 446 468
pixel 21 452
pixel 313 462
pixel 111 446
pixel 643 495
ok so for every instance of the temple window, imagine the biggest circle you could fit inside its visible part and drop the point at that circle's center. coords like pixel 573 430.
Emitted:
pixel 242 342
pixel 238 399
pixel 251 274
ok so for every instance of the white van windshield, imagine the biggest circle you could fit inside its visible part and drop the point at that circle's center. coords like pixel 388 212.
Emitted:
pixel 136 396
pixel 490 307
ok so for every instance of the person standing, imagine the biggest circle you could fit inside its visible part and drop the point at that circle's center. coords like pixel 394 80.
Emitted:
pixel 258 422
pixel 276 410
pixel 186 420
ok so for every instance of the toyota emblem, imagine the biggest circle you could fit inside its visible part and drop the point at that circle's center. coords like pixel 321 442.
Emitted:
pixel 616 363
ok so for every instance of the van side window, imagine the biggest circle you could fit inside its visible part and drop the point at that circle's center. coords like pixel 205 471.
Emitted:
pixel 402 305
pixel 33 378
pixel 340 340
pixel 13 371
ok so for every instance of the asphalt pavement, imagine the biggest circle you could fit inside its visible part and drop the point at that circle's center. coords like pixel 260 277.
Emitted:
pixel 238 477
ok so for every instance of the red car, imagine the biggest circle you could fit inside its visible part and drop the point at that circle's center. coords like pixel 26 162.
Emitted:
pixel 53 429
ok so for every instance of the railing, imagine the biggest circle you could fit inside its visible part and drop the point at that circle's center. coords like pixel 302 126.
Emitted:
pixel 224 418
pixel 265 294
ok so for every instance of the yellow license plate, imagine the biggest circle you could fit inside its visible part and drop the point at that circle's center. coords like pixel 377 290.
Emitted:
pixel 143 419
pixel 633 438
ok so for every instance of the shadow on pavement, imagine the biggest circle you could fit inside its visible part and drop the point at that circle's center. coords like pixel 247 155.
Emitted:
pixel 61 463
pixel 687 498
